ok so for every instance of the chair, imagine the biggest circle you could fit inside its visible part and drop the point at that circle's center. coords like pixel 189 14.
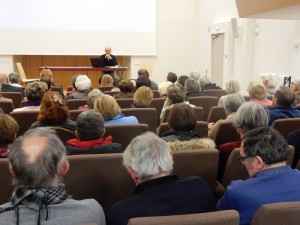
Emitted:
pixel 294 140
pixel 8 106
pixel 155 94
pixel 286 126
pixel 124 133
pixel 16 97
pixel 58 89
pixel 74 113
pixel 158 104
pixel 226 133
pixel 23 75
pixel 5 184
pixel 215 92
pixel 277 214
pixel 105 88
pixel 144 115
pixel 198 112
pixel 204 101
pixel 63 133
pixel 216 113
pixel 111 93
pixel 75 103
pixel 25 118
pixel 225 217
pixel 125 102
pixel 247 98
pixel 201 129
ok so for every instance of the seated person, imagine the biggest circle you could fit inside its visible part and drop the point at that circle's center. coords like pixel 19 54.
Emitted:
pixel 90 132
pixel 158 193
pixel 206 84
pixel 92 96
pixel 258 94
pixel 8 133
pixel 142 80
pixel 264 153
pixel 192 88
pixel 126 89
pixel 106 80
pixel 37 162
pixel 142 97
pixel 144 72
pixel 47 73
pixel 14 79
pixel 172 77
pixel 53 112
pixel 295 87
pixel 162 88
pixel 181 79
pixel 48 81
pixel 7 87
pixel 195 75
pixel 270 82
pixel 83 85
pixel 109 109
pixel 182 121
pixel 232 87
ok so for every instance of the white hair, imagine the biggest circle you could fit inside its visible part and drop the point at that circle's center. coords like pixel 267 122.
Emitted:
pixel 162 87
pixel 195 75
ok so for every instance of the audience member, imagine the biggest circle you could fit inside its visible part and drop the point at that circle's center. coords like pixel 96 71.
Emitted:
pixel 295 87
pixel 83 85
pixel 195 75
pixel 264 153
pixel 181 79
pixel 73 83
pixel 158 193
pixel 142 72
pixel 126 89
pixel 53 112
pixel 270 83
pixel 192 88
pixel 283 101
pixel 231 105
pixel 109 109
pixel 47 73
pixel 2 98
pixel 172 77
pixel 108 59
pixel 206 84
pixel 143 80
pixel 142 97
pixel 162 88
pixel 8 133
pixel 48 81
pixel 106 80
pixel 14 79
pixel 6 86
pixel 232 86
pixel 258 94
pixel 92 96
pixel 38 162
pixel 182 121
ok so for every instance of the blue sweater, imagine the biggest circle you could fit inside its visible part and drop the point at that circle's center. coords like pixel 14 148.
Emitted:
pixel 283 112
pixel 121 119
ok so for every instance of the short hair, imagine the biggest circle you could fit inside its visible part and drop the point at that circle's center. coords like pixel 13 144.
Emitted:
pixel 181 79
pixel 233 101
pixel 175 94
pixel 284 96
pixel 143 72
pixel 126 86
pixel 172 77
pixel 93 94
pixel 204 81
pixel 74 81
pixel 52 109
pixel 163 86
pixel 191 85
pixel 89 125
pixel 251 115
pixel 148 155
pixel 233 86
pixel 195 75
pixel 14 78
pixel 35 90
pixel 143 97
pixel 272 80
pixel 267 143
pixel 106 80
pixel 143 80
pixel 182 117
pixel 257 91
pixel 48 81
pixel 42 167
pixel 46 73
pixel 8 129
pixel 107 106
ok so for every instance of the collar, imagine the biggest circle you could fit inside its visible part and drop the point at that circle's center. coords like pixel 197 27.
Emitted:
pixel 275 170
pixel 154 184
pixel 118 116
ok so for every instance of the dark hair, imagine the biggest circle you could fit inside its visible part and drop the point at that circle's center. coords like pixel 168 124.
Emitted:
pixel 285 96
pixel 181 79
pixel 126 86
pixel 47 80
pixel 267 143
pixel 143 80
pixel 74 81
pixel 143 72
pixel 172 77
pixel 182 117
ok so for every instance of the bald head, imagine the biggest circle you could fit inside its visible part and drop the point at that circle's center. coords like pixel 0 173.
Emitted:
pixel 4 78
pixel 107 50
pixel 284 96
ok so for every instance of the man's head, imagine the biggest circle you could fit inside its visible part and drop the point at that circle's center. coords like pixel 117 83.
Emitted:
pixel 107 50
pixel 143 72
pixel 191 85
pixel 284 96
pixel 172 77
pixel 143 80
pixel 38 159
pixel 148 156
pixel 14 78
pixel 89 125
pixel 4 78
pixel 262 148
pixel 35 90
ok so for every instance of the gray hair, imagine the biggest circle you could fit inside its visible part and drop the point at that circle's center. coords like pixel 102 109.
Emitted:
pixel 233 86
pixel 251 115
pixel 204 80
pixel 233 101
pixel 191 85
pixel 148 155
pixel 40 168
pixel 14 78
pixel 195 75
pixel 89 125
pixel 296 82
pixel 163 86
pixel 95 93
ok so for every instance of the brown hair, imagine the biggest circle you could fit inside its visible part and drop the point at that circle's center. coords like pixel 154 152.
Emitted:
pixel 175 93
pixel 46 73
pixel 182 117
pixel 8 129
pixel 143 97
pixel 107 106
pixel 106 80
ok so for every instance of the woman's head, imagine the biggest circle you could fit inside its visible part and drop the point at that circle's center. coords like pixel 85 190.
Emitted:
pixel 175 94
pixel 106 80
pixel 46 73
pixel 143 97
pixel 107 106
pixel 233 86
pixel 35 90
pixel 257 91
pixel 182 117
pixel 92 96
pixel 126 86
pixel 8 129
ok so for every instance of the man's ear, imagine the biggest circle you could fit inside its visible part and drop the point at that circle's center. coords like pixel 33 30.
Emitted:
pixel 64 168
pixel 103 133
pixel 259 162
pixel 11 169
pixel 132 174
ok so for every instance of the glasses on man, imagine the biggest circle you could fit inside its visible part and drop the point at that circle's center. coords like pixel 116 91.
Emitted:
pixel 242 159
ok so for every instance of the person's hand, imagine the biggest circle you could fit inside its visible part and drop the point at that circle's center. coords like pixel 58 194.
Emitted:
pixel 108 57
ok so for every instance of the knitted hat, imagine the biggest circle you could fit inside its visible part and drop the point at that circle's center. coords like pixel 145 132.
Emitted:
pixel 82 83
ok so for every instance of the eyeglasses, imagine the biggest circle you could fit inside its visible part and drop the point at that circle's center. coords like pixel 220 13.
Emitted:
pixel 242 159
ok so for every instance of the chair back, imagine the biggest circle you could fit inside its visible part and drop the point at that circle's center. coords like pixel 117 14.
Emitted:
pixel 23 75
pixel 144 115
pixel 225 133
pixel 16 97
pixel 75 113
pixel 58 89
pixel 206 102
pixel 286 126
pixel 216 113
pixel 225 217
pixel 215 92
pixel 75 103
pixel 158 104
pixel 155 94
pixel 111 93
pixel 201 128
pixel 8 106
pixel 105 88
pixel 197 110
pixel 5 184
pixel 124 133
pixel 63 133
pixel 125 102
pixel 25 119
pixel 277 214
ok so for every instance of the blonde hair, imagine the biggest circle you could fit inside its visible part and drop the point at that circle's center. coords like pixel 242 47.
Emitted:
pixel 257 91
pixel 143 97
pixel 107 106
pixel 107 80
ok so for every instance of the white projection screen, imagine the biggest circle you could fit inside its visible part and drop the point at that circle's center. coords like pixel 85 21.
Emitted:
pixel 77 27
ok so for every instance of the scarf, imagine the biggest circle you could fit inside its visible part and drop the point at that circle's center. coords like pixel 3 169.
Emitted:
pixel 89 144
pixel 35 102
pixel 36 199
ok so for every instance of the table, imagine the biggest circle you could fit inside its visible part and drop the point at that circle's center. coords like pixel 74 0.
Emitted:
pixel 84 68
